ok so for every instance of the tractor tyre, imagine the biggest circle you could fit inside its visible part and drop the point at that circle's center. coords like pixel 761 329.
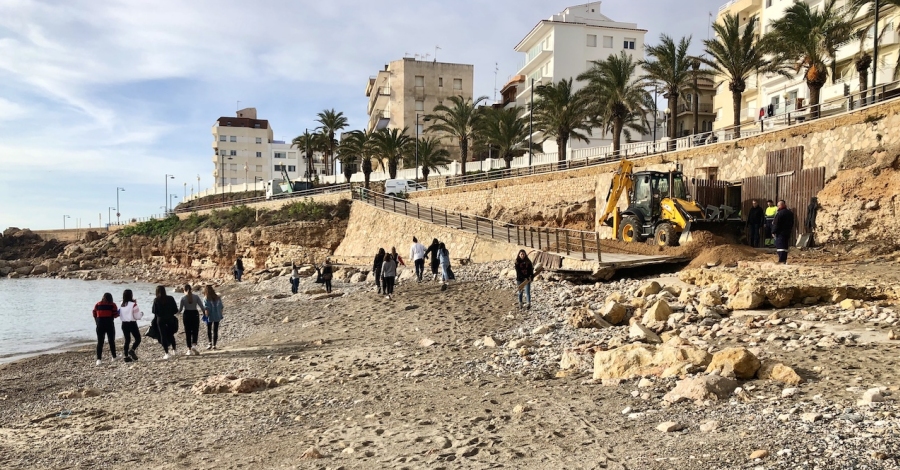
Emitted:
pixel 665 235
pixel 630 230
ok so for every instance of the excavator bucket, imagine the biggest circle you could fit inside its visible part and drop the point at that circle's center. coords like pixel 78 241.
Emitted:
pixel 729 230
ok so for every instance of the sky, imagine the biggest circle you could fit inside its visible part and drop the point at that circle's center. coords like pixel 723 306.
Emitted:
pixel 96 96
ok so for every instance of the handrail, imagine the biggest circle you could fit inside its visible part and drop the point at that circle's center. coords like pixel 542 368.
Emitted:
pixel 562 241
pixel 337 188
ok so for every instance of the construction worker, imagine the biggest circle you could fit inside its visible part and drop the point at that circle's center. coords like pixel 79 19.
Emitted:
pixel 782 228
pixel 755 221
pixel 771 210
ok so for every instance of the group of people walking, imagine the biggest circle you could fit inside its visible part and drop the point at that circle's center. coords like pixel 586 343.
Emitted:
pixel 385 267
pixel 776 223
pixel 165 321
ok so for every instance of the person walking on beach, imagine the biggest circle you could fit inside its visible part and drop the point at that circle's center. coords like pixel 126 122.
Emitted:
pixel 327 274
pixel 446 273
pixel 105 311
pixel 388 274
pixel 165 320
pixel 417 254
pixel 238 268
pixel 524 276
pixel 376 268
pixel 782 228
pixel 295 278
pixel 189 306
pixel 435 262
pixel 213 310
pixel 129 313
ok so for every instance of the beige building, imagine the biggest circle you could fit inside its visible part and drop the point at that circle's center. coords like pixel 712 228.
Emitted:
pixel 408 87
pixel 684 120
pixel 242 146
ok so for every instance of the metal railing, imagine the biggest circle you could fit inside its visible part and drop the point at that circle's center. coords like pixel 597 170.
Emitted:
pixel 571 243
pixel 336 188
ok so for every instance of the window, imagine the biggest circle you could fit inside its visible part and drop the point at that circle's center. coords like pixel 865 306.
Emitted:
pixel 420 129
pixel 258 154
pixel 280 155
pixel 608 42
pixel 279 167
pixel 223 138
pixel 223 152
pixel 420 105
pixel 420 80
pixel 457 84
pixel 233 180
pixel 629 43
pixel 234 138
pixel 258 168
pixel 591 40
pixel 234 167
pixel 256 126
pixel 259 140
pixel 768 3
pixel 292 168
pixel 441 82
pixel 233 153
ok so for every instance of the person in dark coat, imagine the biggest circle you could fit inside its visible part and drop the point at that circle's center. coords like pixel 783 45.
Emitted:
pixel 435 261
pixel 524 276
pixel 238 268
pixel 376 268
pixel 165 320
pixel 782 227
pixel 756 218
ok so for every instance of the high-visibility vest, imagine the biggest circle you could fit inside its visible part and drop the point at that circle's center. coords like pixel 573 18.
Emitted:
pixel 771 211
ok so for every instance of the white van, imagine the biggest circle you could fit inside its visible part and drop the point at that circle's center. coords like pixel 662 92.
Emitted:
pixel 395 187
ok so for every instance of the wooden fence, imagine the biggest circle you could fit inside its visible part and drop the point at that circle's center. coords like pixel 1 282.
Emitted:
pixel 571 243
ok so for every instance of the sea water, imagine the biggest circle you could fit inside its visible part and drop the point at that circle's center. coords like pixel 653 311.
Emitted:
pixel 45 315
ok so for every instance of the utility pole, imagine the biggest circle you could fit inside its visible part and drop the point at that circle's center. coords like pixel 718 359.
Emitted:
pixel 875 50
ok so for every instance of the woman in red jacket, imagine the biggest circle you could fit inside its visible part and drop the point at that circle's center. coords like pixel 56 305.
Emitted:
pixel 104 312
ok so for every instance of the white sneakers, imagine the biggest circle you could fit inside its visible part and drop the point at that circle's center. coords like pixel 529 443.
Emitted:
pixel 208 347
pixel 166 357
pixel 388 297
pixel 99 362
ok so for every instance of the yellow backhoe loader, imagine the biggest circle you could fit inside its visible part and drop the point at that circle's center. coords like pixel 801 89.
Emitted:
pixel 659 208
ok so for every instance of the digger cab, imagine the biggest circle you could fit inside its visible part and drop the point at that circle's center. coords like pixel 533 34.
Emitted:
pixel 650 188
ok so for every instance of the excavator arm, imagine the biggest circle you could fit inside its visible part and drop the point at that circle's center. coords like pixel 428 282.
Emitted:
pixel 621 182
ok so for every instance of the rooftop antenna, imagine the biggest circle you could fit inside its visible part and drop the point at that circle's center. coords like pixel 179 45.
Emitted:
pixel 436 48
pixel 708 25
pixel 238 105
pixel 406 54
pixel 496 70
pixel 427 55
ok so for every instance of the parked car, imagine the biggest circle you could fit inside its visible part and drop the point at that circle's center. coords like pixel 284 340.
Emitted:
pixel 397 187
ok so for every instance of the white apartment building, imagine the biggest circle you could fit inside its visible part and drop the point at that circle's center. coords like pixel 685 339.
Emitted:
pixel 564 45
pixel 246 154
pixel 787 94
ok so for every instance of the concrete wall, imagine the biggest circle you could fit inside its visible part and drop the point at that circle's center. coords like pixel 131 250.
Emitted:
pixel 74 234
pixel 275 204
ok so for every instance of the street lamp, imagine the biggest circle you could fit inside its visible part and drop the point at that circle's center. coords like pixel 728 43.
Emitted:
pixel 655 113
pixel 185 191
pixel 222 172
pixel 117 206
pixel 109 216
pixel 531 126
pixel 168 177
pixel 172 205
pixel 64 221
pixel 875 52
pixel 425 118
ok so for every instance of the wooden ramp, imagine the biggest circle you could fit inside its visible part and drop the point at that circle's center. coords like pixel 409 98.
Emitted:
pixel 557 249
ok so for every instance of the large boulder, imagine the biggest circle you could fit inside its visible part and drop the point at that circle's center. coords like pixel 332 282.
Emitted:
pixel 38 270
pixel 640 332
pixel 773 370
pixel 738 361
pixel 710 298
pixel 700 388
pixel 358 277
pixel 24 270
pixel 659 311
pixel 637 360
pixel 587 318
pixel 614 312
pixel 746 300
pixel 649 288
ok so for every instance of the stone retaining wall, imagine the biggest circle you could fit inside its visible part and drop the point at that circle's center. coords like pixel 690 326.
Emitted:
pixel 275 204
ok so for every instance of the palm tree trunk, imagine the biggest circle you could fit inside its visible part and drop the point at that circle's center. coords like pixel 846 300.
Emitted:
pixel 347 174
pixel 673 109
pixel 425 173
pixel 561 142
pixel 508 160
pixel 814 92
pixel 736 100
pixel 366 175
pixel 463 153
pixel 696 105
pixel 618 124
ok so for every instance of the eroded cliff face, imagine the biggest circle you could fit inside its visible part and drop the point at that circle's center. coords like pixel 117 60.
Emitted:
pixel 210 253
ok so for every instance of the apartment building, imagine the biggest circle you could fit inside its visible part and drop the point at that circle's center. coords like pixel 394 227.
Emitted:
pixel 408 87
pixel 684 118
pixel 564 45
pixel 246 154
pixel 788 94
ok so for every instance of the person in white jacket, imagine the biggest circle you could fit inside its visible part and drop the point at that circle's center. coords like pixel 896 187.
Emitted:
pixel 129 313
pixel 417 254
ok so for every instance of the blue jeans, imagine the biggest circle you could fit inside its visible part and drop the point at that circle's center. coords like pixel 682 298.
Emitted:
pixel 527 291
pixel 445 276
pixel 238 273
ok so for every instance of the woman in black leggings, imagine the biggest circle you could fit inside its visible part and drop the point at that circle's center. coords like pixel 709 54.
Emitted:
pixel 191 306
pixel 104 313
pixel 129 313
pixel 165 320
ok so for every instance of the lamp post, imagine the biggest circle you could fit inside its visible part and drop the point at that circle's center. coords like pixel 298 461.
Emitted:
pixel 185 191
pixel 695 66
pixel 108 216
pixel 64 221
pixel 655 113
pixel 118 214
pixel 171 204
pixel 531 126
pixel 875 50
pixel 168 177
pixel 198 184
pixel 309 161
pixel 425 119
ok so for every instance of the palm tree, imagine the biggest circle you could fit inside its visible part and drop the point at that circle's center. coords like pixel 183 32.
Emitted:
pixel 350 155
pixel 391 147
pixel 670 66
pixel 809 37
pixel 313 142
pixel 331 123
pixel 432 156
pixel 735 55
pixel 506 131
pixel 616 92
pixel 562 114
pixel 459 121
pixel 362 144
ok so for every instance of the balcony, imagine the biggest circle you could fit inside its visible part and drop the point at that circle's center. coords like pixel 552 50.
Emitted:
pixel 740 6
pixel 705 108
